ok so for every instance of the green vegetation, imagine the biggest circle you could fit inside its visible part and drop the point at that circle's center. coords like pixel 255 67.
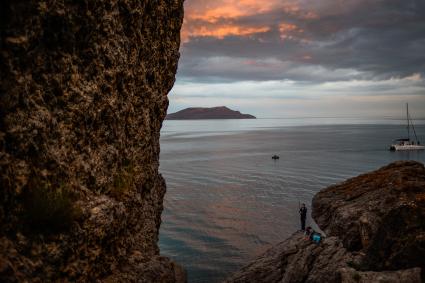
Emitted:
pixel 356 277
pixel 123 182
pixel 354 265
pixel 48 209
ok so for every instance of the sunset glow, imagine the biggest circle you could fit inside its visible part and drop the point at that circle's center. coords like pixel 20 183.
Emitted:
pixel 222 31
pixel 211 12
pixel 313 45
pixel 220 18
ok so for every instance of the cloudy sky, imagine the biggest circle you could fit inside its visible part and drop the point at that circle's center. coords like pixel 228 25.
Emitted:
pixel 286 58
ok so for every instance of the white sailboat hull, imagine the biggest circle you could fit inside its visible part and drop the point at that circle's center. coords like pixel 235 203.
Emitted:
pixel 407 143
pixel 407 147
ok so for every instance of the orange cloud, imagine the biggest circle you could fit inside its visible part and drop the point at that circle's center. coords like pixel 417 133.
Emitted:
pixel 285 27
pixel 223 31
pixel 228 9
pixel 287 30
pixel 219 18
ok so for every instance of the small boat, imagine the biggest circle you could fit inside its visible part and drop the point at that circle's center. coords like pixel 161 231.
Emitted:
pixel 407 143
pixel 275 157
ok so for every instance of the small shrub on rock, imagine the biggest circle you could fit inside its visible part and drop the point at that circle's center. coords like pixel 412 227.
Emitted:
pixel 48 209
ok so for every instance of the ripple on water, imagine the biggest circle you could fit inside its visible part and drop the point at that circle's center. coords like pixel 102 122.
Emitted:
pixel 227 201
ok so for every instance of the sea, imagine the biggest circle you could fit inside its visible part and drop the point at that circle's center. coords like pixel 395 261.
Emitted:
pixel 228 201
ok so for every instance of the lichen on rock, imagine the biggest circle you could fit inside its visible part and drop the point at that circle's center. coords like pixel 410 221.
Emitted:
pixel 83 95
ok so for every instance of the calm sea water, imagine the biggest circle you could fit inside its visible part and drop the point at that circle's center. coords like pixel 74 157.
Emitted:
pixel 227 200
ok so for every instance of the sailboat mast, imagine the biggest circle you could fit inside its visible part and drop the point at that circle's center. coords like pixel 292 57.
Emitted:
pixel 408 124
pixel 413 127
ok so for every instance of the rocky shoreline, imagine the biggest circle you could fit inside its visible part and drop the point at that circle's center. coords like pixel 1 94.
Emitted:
pixel 375 233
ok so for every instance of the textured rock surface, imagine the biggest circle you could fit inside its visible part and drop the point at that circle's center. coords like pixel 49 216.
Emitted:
pixel 381 213
pixel 375 227
pixel 350 275
pixel 297 260
pixel 83 95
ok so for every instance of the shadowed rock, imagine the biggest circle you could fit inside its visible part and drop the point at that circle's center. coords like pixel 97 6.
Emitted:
pixel 350 275
pixel 296 259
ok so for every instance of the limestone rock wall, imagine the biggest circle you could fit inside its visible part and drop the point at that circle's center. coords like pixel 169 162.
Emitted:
pixel 83 93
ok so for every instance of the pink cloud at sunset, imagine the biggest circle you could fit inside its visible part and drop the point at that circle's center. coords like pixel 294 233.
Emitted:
pixel 226 30
pixel 212 12
pixel 230 18
pixel 302 43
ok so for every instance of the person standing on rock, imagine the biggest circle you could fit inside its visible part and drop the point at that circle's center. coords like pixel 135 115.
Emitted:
pixel 303 215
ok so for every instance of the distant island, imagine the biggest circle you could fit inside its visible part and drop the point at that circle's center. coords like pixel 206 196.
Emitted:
pixel 220 112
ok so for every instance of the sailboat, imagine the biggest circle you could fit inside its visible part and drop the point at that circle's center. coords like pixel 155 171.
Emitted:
pixel 407 143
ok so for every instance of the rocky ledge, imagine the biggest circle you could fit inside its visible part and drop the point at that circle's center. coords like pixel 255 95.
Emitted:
pixel 375 232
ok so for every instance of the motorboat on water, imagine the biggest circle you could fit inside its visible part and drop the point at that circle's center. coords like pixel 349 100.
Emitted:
pixel 408 143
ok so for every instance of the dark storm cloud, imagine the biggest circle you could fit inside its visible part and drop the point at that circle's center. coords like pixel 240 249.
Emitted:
pixel 330 41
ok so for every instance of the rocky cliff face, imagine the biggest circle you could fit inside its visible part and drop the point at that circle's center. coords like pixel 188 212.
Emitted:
pixel 82 98
pixel 375 233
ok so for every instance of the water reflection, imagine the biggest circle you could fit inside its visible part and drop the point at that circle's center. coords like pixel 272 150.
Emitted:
pixel 227 200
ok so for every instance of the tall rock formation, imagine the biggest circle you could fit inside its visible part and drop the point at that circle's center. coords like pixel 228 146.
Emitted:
pixel 83 95
pixel 375 233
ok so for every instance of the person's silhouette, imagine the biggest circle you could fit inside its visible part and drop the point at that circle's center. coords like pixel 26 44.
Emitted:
pixel 303 215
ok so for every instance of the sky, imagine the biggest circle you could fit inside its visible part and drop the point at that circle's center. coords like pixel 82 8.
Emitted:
pixel 303 58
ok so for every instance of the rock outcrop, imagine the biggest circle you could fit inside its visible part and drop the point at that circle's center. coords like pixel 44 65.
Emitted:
pixel 375 233
pixel 296 259
pixel 381 214
pixel 83 95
